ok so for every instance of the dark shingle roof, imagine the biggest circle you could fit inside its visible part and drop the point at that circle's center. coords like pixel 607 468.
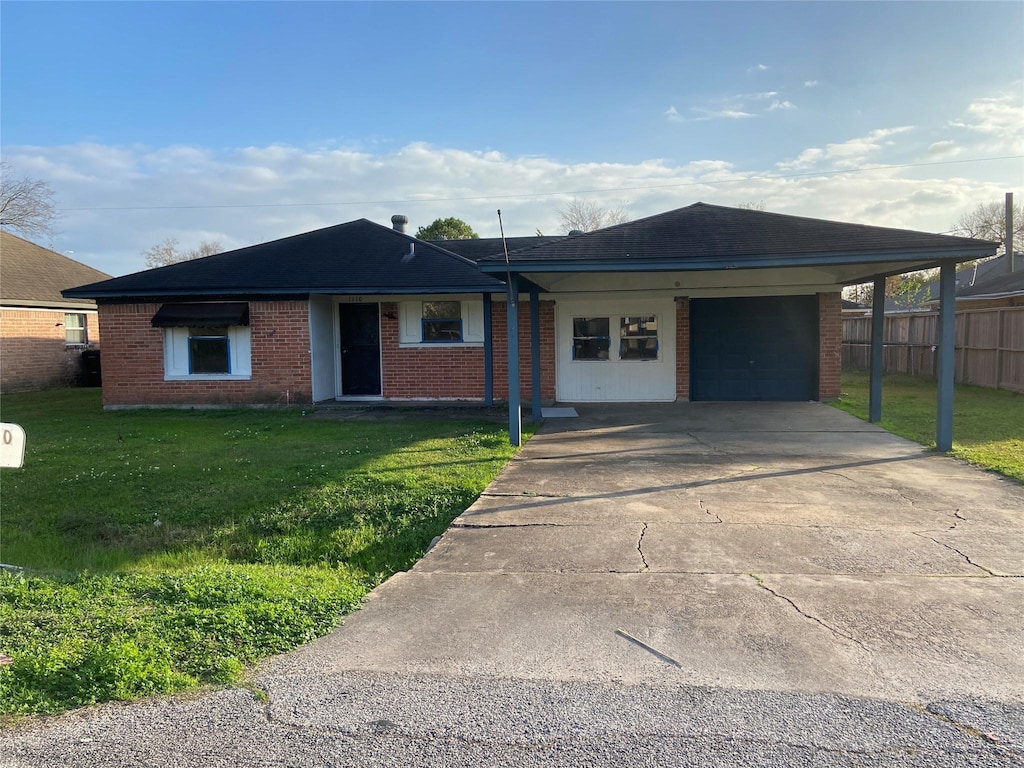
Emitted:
pixel 1008 282
pixel 482 247
pixel 31 275
pixel 359 257
pixel 724 237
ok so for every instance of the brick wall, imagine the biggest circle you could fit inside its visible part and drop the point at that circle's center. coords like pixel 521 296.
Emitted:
pixel 445 372
pixel 133 369
pixel 682 348
pixel 33 351
pixel 830 345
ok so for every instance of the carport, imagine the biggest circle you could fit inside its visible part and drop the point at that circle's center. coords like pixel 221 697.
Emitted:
pixel 755 319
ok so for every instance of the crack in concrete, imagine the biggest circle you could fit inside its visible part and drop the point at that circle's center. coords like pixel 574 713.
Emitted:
pixel 707 511
pixel 802 612
pixel 640 549
pixel 967 559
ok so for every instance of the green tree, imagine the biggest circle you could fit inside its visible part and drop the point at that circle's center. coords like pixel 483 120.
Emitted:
pixel 447 229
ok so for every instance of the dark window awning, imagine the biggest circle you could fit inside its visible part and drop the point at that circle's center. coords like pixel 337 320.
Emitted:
pixel 202 315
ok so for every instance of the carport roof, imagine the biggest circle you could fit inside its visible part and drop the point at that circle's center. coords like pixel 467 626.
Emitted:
pixel 711 237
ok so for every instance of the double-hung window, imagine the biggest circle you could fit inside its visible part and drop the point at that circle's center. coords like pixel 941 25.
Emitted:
pixel 75 331
pixel 442 321
pixel 209 350
pixel 206 341
pixel 637 338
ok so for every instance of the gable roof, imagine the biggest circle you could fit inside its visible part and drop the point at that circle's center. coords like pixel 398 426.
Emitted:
pixel 33 276
pixel 359 257
pixel 703 236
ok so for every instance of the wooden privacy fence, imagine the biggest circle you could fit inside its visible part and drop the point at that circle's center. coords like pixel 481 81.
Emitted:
pixel 989 345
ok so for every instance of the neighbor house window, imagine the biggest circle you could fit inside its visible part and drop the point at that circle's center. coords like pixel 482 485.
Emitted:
pixel 442 321
pixel 638 338
pixel 74 329
pixel 209 350
pixel 591 338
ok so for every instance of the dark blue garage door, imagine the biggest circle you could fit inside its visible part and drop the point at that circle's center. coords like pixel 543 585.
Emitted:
pixel 762 348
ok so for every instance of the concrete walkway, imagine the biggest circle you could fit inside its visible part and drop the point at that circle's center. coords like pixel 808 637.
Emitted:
pixel 685 584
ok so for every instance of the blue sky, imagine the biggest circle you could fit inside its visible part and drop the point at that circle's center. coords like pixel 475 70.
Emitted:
pixel 154 120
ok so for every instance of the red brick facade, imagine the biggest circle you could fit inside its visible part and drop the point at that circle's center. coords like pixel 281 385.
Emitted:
pixel 682 348
pixel 830 345
pixel 133 368
pixel 448 372
pixel 133 371
pixel 34 353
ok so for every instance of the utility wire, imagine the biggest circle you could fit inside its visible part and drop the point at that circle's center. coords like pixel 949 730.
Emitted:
pixel 407 201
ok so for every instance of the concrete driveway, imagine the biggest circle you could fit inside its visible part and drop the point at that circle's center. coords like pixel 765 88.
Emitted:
pixel 770 546
pixel 728 584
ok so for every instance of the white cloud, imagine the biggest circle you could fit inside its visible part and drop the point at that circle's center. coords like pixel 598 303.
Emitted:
pixel 294 189
pixel 943 150
pixel 849 154
pixel 999 119
pixel 729 113
pixel 784 105
pixel 810 83
pixel 673 115
pixel 758 68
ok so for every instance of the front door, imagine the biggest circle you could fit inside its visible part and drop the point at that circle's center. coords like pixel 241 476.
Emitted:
pixel 360 349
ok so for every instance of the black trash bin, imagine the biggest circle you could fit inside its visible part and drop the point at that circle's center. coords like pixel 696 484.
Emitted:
pixel 91 373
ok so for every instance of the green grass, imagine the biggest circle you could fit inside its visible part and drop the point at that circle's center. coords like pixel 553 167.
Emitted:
pixel 169 549
pixel 988 424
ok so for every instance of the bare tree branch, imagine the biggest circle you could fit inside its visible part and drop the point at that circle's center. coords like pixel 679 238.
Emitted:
pixel 26 204
pixel 988 222
pixel 586 216
pixel 166 253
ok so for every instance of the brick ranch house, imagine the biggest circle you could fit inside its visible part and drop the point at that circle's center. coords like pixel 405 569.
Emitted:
pixel 700 303
pixel 42 333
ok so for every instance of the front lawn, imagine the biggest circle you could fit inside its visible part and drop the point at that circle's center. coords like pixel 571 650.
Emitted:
pixel 988 424
pixel 167 549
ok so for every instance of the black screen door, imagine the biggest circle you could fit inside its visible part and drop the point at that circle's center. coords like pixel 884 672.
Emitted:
pixel 360 349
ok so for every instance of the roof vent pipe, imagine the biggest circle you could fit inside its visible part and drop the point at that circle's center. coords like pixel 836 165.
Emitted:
pixel 399 222
pixel 574 232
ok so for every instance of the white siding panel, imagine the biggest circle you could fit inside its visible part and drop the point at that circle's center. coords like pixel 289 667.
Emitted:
pixel 613 380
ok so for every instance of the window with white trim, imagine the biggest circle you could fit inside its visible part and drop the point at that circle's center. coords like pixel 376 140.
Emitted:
pixel 637 338
pixel 591 338
pixel 207 353
pixel 442 321
pixel 75 329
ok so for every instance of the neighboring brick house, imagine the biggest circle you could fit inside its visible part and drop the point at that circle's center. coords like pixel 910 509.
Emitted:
pixel 701 303
pixel 42 333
